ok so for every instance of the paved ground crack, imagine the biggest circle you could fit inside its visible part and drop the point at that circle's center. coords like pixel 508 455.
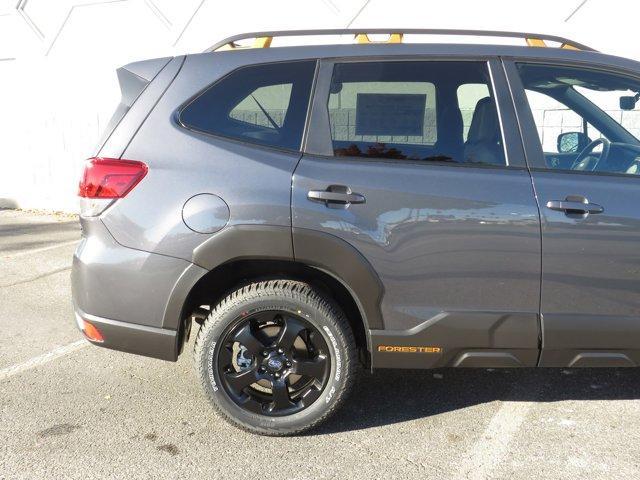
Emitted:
pixel 32 279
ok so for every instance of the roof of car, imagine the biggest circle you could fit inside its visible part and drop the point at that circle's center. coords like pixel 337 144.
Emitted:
pixel 442 50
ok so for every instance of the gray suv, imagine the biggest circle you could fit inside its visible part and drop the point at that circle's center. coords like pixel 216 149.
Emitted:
pixel 320 209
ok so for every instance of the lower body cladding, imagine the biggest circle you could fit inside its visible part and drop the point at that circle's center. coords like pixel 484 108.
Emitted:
pixel 495 340
pixel 460 339
pixel 612 340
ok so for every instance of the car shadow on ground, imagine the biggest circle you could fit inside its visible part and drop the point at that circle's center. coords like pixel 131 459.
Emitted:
pixel 394 396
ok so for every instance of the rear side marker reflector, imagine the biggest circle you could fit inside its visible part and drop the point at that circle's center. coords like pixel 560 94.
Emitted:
pixel 91 332
pixel 110 178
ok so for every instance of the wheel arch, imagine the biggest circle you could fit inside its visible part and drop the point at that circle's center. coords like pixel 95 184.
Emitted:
pixel 242 254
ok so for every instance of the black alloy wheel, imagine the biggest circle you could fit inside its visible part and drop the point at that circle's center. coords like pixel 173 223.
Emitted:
pixel 273 363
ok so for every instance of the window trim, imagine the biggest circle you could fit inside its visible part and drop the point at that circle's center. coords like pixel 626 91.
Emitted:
pixel 177 116
pixel 319 142
pixel 534 152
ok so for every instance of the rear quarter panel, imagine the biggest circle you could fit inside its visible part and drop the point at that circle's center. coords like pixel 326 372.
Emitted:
pixel 255 182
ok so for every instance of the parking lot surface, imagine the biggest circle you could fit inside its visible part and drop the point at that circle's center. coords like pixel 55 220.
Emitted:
pixel 72 410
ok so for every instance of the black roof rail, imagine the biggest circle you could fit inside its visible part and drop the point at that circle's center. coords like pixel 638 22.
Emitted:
pixel 263 39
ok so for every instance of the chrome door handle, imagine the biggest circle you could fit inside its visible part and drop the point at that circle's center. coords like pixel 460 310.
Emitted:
pixel 338 195
pixel 324 196
pixel 575 204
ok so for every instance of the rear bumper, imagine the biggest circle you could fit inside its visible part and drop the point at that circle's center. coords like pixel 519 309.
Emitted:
pixel 134 298
pixel 131 338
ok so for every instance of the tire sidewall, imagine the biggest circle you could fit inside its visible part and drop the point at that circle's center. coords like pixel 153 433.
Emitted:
pixel 232 315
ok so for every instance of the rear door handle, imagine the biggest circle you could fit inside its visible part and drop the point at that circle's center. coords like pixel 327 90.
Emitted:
pixel 336 195
pixel 575 204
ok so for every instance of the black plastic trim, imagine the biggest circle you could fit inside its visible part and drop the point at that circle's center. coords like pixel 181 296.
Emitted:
pixel 173 312
pixel 347 265
pixel 243 242
pixel 460 339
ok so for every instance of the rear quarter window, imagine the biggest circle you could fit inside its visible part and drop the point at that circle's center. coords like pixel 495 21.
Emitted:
pixel 260 104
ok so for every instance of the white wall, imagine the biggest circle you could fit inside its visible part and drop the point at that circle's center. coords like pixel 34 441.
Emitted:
pixel 58 57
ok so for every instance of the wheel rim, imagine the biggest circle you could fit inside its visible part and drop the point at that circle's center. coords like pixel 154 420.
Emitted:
pixel 273 363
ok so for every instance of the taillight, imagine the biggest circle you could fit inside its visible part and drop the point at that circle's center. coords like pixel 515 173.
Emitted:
pixel 106 179
pixel 110 178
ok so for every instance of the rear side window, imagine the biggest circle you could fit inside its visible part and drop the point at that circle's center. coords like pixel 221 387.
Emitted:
pixel 262 104
pixel 423 110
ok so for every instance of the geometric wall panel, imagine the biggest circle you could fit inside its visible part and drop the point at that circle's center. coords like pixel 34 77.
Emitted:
pixel 58 59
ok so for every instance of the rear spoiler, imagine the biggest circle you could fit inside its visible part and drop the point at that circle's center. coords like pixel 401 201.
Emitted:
pixel 133 79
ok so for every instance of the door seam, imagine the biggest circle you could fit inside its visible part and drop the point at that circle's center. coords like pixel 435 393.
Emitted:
pixel 540 216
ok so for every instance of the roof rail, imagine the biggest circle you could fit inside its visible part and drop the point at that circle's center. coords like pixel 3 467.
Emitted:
pixel 263 39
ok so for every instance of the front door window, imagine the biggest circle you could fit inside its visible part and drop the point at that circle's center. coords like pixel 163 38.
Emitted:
pixel 587 120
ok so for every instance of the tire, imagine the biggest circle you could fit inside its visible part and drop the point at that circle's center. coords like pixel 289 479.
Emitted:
pixel 317 369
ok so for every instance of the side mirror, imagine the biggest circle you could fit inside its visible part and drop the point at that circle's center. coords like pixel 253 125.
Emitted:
pixel 628 102
pixel 572 142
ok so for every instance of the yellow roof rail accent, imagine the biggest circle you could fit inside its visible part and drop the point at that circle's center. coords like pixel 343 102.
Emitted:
pixel 538 42
pixel 262 42
pixel 393 38
pixel 259 42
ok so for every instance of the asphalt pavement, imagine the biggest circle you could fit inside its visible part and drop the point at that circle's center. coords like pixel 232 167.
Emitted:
pixel 72 410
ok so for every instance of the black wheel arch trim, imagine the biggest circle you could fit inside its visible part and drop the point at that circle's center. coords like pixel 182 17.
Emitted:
pixel 319 250
pixel 346 264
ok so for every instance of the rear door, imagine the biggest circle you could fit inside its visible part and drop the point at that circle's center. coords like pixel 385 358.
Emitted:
pixel 407 162
pixel 589 204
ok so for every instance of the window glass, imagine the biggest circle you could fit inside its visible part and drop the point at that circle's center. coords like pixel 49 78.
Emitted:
pixel 554 118
pixel 609 102
pixel 263 104
pixel 415 111
pixel 587 120
pixel 417 100
pixel 469 95
pixel 274 99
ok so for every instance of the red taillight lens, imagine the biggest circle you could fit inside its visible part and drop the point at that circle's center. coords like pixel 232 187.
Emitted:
pixel 110 177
